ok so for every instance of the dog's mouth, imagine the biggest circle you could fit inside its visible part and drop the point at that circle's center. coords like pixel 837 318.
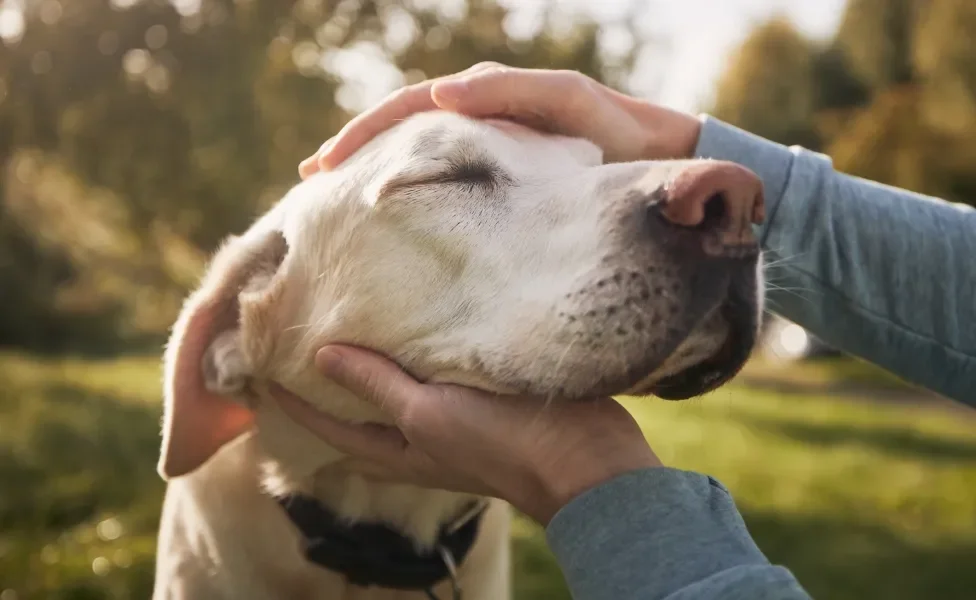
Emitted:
pixel 724 364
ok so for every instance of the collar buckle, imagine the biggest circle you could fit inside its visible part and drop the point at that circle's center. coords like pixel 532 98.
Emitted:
pixel 451 567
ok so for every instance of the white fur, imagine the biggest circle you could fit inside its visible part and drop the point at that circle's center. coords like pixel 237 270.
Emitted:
pixel 495 286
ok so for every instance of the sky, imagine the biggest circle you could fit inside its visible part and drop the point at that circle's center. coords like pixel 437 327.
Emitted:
pixel 708 31
pixel 699 36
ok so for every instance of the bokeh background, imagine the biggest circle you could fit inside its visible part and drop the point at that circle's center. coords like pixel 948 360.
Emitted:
pixel 135 135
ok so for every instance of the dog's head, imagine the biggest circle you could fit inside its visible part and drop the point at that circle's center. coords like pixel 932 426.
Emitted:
pixel 473 252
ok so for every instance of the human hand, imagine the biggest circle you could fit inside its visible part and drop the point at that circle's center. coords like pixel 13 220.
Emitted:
pixel 564 102
pixel 537 455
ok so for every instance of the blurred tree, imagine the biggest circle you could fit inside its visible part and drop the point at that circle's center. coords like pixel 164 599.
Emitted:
pixel 878 35
pixel 768 87
pixel 945 52
pixel 171 123
pixel 892 97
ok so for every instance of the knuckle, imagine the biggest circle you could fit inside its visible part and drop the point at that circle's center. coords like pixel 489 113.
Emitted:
pixel 407 418
pixel 400 94
pixel 570 74
pixel 371 382
pixel 571 81
pixel 578 91
pixel 422 412
pixel 487 64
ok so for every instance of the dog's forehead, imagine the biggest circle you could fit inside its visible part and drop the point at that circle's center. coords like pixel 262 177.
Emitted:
pixel 339 200
pixel 430 133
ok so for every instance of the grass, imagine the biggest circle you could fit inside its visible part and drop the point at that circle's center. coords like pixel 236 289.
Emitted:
pixel 860 499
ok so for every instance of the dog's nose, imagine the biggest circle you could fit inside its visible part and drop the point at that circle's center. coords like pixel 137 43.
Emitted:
pixel 721 200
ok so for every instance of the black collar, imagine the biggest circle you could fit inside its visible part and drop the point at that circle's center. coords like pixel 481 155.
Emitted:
pixel 373 554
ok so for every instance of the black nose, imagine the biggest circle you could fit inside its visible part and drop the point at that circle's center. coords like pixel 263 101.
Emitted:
pixel 720 200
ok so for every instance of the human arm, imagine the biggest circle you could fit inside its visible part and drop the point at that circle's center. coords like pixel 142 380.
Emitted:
pixel 879 272
pixel 620 524
pixel 664 534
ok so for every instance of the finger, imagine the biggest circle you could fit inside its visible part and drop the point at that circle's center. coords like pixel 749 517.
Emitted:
pixel 370 441
pixel 519 93
pixel 371 469
pixel 427 476
pixel 372 378
pixel 401 104
pixel 367 125
pixel 310 165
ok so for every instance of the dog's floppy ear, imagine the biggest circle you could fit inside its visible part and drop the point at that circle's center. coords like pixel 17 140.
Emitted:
pixel 205 365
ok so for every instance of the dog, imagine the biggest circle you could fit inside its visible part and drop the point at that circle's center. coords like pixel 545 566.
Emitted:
pixel 475 252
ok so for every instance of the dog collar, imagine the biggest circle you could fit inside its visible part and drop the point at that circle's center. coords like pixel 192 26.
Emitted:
pixel 374 554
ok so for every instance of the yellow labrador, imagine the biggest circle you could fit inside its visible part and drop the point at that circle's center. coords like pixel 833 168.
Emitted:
pixel 473 252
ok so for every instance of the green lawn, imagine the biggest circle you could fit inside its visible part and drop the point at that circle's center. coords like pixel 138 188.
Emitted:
pixel 860 499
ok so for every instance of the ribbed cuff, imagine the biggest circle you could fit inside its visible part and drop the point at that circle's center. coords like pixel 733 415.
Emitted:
pixel 665 527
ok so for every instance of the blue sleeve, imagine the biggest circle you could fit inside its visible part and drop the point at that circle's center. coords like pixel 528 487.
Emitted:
pixel 878 272
pixel 881 273
pixel 663 534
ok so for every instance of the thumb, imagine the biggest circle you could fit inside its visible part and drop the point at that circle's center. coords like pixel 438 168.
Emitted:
pixel 372 378
pixel 370 441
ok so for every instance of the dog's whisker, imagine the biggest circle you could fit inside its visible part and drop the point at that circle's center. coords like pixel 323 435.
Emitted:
pixel 799 293
pixel 780 261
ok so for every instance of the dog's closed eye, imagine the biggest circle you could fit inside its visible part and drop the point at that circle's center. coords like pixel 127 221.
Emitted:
pixel 476 172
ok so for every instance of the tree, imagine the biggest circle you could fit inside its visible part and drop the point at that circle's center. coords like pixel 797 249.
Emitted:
pixel 892 97
pixel 171 124
pixel 877 36
pixel 768 87
pixel 945 53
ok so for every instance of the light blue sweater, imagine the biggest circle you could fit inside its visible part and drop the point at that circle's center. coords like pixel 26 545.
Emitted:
pixel 886 275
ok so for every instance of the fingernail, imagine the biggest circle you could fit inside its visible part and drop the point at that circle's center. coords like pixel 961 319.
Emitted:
pixel 328 360
pixel 449 91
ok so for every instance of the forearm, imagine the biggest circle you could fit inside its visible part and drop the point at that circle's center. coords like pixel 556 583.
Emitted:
pixel 663 533
pixel 881 273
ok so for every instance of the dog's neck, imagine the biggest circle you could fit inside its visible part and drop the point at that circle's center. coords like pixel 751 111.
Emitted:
pixel 417 512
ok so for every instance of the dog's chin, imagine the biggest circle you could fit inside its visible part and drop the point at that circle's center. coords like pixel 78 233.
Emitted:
pixel 682 376
pixel 702 377
pixel 705 375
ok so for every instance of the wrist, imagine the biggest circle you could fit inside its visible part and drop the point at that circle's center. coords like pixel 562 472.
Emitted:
pixel 669 134
pixel 679 133
pixel 558 486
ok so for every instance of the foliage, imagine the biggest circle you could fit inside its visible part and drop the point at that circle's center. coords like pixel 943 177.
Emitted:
pixel 859 499
pixel 756 87
pixel 892 97
pixel 137 134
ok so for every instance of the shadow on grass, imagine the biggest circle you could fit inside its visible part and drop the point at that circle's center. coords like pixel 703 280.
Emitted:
pixel 833 559
pixel 895 441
